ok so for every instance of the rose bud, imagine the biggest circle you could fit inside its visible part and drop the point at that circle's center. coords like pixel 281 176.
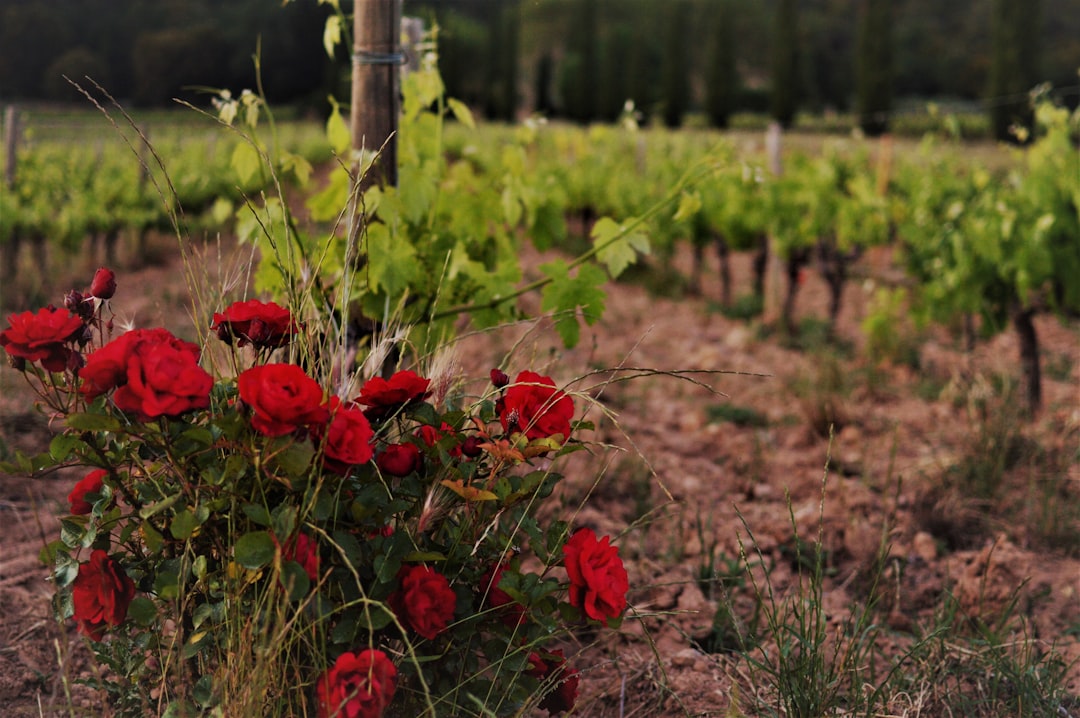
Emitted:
pixel 104 284
pixel 77 304
pixel 499 378
pixel 75 362
pixel 471 447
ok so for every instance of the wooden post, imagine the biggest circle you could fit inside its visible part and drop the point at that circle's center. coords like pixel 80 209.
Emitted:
pixel 11 141
pixel 374 113
pixel 9 246
pixel 772 301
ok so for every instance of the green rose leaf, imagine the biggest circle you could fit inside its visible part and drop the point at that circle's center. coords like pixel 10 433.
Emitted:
pixel 254 550
pixel 295 579
pixel 62 445
pixel 94 422
pixel 142 611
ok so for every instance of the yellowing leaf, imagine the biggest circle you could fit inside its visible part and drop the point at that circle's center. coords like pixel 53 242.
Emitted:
pixel 469 493
pixel 331 34
pixel 245 163
pixel 337 131
pixel 689 205
pixel 461 112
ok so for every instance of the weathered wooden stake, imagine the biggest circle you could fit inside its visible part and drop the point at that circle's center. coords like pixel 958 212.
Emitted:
pixel 377 56
pixel 9 246
pixel 11 140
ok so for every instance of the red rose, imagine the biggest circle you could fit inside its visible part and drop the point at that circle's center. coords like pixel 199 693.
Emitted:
pixel 348 438
pixel 499 379
pixel 431 436
pixel 107 368
pixel 497 598
pixel 559 680
pixel 424 600
pixel 398 459
pixel 534 406
pixel 90 484
pixel 359 685
pixel 263 324
pixel 42 336
pixel 103 286
pixel 303 549
pixel 385 396
pixel 598 581
pixel 282 398
pixel 163 378
pixel 101 594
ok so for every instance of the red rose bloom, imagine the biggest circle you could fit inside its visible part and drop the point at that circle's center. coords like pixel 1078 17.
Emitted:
pixel 282 398
pixel 358 685
pixel 385 396
pixel 263 324
pixel 598 581
pixel 90 484
pixel 348 438
pixel 424 601
pixel 398 459
pixel 107 368
pixel 163 379
pixel 101 595
pixel 534 406
pixel 103 285
pixel 560 680
pixel 42 336
pixel 495 597
pixel 303 549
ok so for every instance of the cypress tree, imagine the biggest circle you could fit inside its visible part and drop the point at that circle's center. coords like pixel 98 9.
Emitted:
pixel 721 78
pixel 873 65
pixel 1014 68
pixel 785 65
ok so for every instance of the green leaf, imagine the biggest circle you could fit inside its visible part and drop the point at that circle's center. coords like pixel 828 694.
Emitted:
pixel 296 458
pixel 617 247
pixel 184 524
pixel 254 550
pixel 375 618
pixel 152 537
pixel 258 514
pixel 566 294
pixel 94 422
pixel 246 163
pixel 336 129
pixel 142 611
pixel 49 551
pixel 295 580
pixel 423 557
pixel 461 112
pixel 156 508
pixel 61 446
pixel 392 261
pixel 349 545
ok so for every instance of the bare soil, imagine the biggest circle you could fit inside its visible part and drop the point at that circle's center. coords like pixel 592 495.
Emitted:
pixel 893 495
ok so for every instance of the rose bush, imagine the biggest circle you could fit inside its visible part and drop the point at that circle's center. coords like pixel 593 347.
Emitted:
pixel 349 538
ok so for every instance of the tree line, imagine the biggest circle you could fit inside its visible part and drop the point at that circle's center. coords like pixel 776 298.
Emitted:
pixel 578 59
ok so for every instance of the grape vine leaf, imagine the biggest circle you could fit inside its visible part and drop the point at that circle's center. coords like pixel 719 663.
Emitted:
pixel 617 246
pixel 565 294
pixel 393 264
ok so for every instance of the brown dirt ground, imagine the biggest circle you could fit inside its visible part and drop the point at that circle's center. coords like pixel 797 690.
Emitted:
pixel 693 488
